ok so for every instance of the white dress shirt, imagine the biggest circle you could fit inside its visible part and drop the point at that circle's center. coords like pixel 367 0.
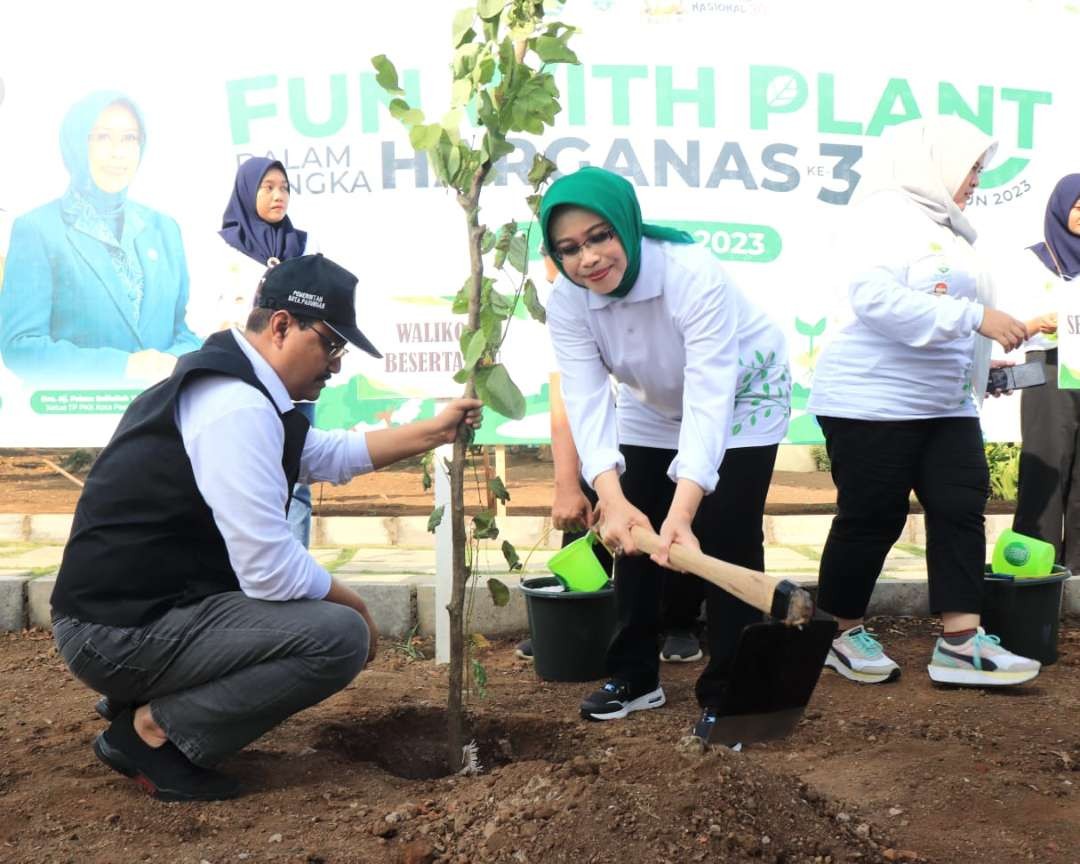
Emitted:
pixel 700 369
pixel 910 348
pixel 234 439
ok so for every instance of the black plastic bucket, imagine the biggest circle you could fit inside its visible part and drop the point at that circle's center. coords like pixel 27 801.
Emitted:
pixel 1025 613
pixel 570 630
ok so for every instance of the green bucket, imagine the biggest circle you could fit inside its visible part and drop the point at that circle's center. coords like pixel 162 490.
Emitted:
pixel 1021 556
pixel 577 566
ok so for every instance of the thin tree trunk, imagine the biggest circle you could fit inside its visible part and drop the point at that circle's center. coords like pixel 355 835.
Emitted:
pixel 455 708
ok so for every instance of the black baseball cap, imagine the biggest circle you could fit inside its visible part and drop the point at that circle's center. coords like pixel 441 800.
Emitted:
pixel 313 286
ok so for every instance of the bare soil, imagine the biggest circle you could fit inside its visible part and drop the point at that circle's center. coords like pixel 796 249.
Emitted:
pixel 901 772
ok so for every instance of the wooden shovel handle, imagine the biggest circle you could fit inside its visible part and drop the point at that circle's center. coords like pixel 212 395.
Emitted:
pixel 751 586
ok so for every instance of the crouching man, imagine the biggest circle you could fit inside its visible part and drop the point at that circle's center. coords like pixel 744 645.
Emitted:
pixel 182 596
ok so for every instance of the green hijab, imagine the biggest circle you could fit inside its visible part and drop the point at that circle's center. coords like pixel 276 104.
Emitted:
pixel 612 197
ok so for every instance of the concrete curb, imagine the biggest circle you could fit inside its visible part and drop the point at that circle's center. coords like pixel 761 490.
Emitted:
pixel 402 602
pixel 406 605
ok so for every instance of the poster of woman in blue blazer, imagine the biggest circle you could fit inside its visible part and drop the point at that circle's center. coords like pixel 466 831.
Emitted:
pixel 95 286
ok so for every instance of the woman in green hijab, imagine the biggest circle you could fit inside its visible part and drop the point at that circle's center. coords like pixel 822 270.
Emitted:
pixel 689 443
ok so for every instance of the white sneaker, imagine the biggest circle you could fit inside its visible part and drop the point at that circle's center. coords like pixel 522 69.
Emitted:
pixel 858 656
pixel 981 662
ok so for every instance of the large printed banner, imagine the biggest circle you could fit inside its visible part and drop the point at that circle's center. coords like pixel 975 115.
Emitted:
pixel 746 123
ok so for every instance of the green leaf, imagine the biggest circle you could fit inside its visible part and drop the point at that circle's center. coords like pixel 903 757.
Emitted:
pixel 532 302
pixel 425 463
pixel 400 110
pixel 425 137
pixel 484 527
pixel 491 324
pixel 386 75
pixel 495 387
pixel 541 169
pixel 500 594
pixel 498 489
pixel 488 243
pixel 518 253
pixel 552 50
pixel 484 71
pixel 451 123
pixel 511 556
pixel 473 350
pixel 435 518
pixel 462 375
pixel 534 203
pixel 462 29
pixel 461 92
pixel 479 676
pixel 500 304
pixel 760 358
pixel 488 9
pixel 453 164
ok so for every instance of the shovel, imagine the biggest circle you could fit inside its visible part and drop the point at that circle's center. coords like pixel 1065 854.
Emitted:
pixel 777 663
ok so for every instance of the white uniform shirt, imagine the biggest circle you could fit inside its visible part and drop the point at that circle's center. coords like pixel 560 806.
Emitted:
pixel 234 439
pixel 909 351
pixel 700 369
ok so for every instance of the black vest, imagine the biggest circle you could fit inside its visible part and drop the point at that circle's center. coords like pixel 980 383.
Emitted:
pixel 143 540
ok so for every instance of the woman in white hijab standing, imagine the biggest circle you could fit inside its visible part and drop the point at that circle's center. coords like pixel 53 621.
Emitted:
pixel 897 393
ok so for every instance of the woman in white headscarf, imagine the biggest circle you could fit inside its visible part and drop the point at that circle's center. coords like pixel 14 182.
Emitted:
pixel 897 394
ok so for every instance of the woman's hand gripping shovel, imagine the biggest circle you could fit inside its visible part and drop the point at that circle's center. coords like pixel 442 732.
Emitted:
pixel 777 663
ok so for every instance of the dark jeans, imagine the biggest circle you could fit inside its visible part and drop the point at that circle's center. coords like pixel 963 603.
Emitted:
pixel 728 526
pixel 875 466
pixel 681 594
pixel 1048 498
pixel 222 672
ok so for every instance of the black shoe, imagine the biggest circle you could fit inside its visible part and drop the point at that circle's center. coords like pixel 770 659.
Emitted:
pixel 680 646
pixel 163 772
pixel 109 710
pixel 615 699
pixel 524 649
pixel 704 727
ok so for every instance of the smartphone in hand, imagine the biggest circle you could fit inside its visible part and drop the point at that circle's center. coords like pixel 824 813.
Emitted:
pixel 1016 377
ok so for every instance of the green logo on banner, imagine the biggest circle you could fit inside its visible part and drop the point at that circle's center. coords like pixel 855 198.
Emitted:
pixel 82 401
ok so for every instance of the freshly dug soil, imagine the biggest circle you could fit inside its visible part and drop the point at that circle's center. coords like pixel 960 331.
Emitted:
pixel 900 772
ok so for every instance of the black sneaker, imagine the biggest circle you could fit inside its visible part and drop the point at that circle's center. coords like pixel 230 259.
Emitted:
pixel 615 700
pixel 680 646
pixel 524 649
pixel 163 772
pixel 109 710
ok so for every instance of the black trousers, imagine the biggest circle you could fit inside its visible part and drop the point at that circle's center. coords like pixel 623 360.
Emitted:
pixel 681 594
pixel 1048 499
pixel 728 525
pixel 875 466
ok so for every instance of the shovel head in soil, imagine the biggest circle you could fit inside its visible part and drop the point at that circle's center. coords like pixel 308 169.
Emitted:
pixel 775 670
pixel 777 664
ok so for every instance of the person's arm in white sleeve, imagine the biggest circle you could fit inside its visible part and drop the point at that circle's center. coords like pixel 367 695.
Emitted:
pixel 586 391
pixel 708 320
pixel 338 456
pixel 886 304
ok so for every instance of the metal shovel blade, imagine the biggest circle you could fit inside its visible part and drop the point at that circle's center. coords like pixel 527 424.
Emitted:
pixel 775 669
